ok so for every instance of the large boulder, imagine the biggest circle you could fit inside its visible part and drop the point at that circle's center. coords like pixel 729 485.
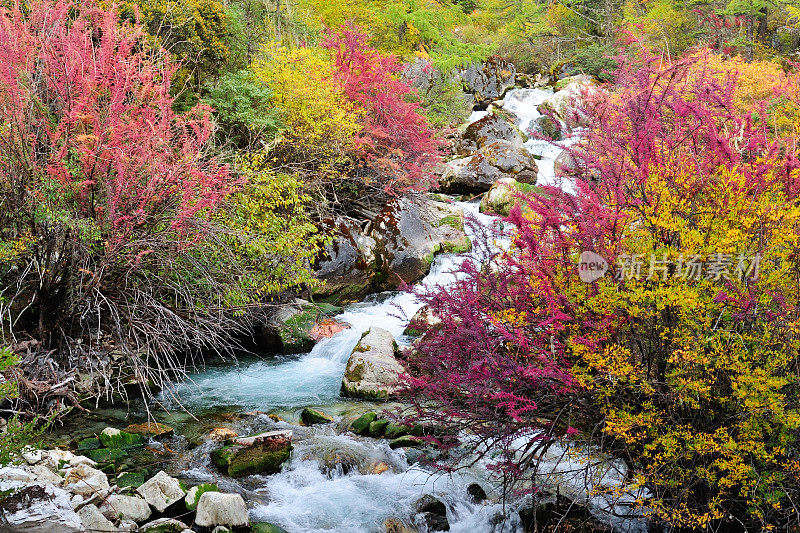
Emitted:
pixel 493 127
pixel 410 233
pixel 566 103
pixel 38 509
pixel 219 509
pixel 347 265
pixel 490 80
pixel 161 491
pixel 258 454
pixel 499 159
pixel 372 370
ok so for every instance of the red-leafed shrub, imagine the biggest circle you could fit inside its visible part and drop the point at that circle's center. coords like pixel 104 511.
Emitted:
pixel 106 191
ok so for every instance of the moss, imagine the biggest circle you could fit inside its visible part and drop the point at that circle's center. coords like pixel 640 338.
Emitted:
pixel 294 333
pixel 312 416
pixel 130 479
pixel 360 426
pixel 205 487
pixel 406 441
pixel 121 440
pixel 106 455
pixel 239 461
pixel 377 428
pixel 458 247
pixel 92 443
pixel 356 372
pixel 454 221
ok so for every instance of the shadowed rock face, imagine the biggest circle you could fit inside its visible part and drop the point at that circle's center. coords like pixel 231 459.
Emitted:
pixel 490 80
pixel 410 233
pixel 493 127
pixel 496 160
pixel 397 247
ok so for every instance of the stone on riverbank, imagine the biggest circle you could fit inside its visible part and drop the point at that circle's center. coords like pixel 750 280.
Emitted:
pixel 85 480
pixel 155 430
pixel 164 525
pixel 477 173
pixel 260 454
pixel 94 521
pixel 38 509
pixel 219 509
pixel 263 527
pixel 121 507
pixel 161 491
pixel 194 493
pixel 372 370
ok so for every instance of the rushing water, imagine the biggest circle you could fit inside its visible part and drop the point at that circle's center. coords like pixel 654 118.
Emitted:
pixel 306 497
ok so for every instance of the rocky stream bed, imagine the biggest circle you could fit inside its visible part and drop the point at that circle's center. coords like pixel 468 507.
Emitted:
pixel 302 441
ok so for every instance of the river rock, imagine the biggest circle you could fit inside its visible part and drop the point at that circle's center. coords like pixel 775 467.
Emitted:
pixel 164 525
pixel 194 493
pixel 85 480
pixel 259 454
pixel 422 321
pixel 476 493
pixel 503 195
pixel 372 370
pixel 94 521
pixel 347 265
pixel 394 525
pixel 155 430
pixel 434 513
pixel 19 474
pixel 490 80
pixel 263 527
pixel 360 425
pixel 310 417
pixel 498 159
pixel 566 104
pixel 493 127
pixel 409 233
pixel 121 507
pixel 296 322
pixel 219 509
pixel 222 434
pixel 38 509
pixel 161 491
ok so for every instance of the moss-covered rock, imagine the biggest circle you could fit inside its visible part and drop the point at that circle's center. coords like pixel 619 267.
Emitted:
pixel 406 441
pixel 106 455
pixel 295 330
pixel 360 425
pixel 372 371
pixel 130 479
pixel 194 493
pixel 114 438
pixel 377 428
pixel 92 443
pixel 310 417
pixel 259 454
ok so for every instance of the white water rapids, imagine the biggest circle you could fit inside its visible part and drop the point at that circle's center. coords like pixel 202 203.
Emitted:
pixel 303 498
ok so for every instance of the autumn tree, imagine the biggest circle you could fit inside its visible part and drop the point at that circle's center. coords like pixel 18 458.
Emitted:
pixel 682 360
pixel 118 227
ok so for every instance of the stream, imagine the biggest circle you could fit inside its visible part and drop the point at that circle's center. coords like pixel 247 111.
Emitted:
pixel 309 495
